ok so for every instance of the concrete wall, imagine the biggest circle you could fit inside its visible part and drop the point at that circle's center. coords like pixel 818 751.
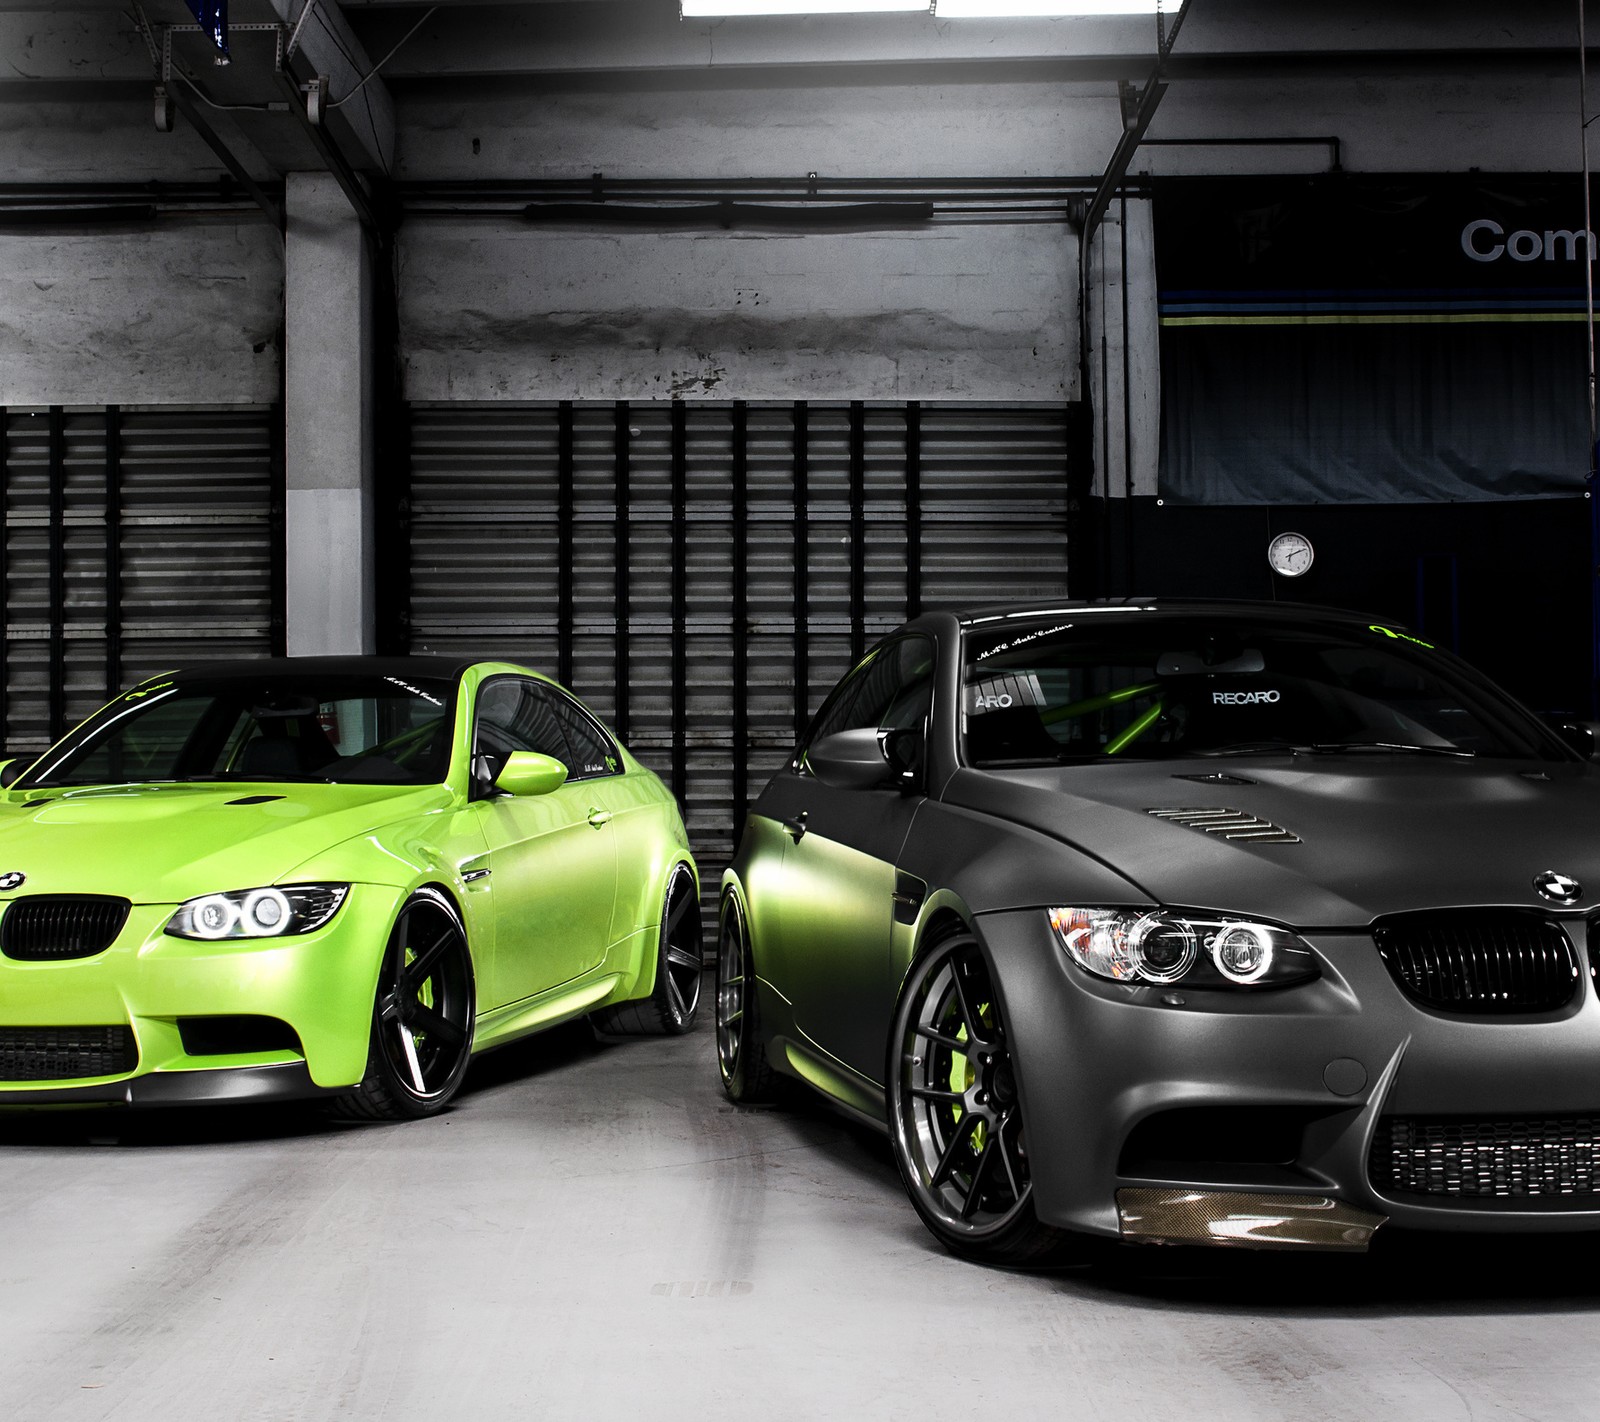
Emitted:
pixel 950 313
pixel 183 311
pixel 186 313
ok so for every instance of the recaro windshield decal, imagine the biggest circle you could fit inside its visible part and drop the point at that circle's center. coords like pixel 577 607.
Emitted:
pixel 1000 693
pixel 1246 698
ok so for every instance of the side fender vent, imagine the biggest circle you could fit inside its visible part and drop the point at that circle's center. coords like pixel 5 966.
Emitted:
pixel 1228 824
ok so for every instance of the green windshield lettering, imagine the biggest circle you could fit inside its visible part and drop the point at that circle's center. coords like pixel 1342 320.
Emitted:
pixel 1400 636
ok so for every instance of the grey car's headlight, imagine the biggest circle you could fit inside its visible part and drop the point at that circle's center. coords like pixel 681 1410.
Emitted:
pixel 258 913
pixel 1163 946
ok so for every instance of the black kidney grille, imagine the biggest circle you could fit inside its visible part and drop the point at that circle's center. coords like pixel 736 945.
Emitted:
pixel 1506 1159
pixel 50 927
pixel 62 1053
pixel 1480 961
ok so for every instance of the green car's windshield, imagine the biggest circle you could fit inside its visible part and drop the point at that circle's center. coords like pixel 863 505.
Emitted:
pixel 1072 689
pixel 358 729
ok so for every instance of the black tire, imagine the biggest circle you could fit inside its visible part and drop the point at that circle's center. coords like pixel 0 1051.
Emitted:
pixel 672 1006
pixel 422 1017
pixel 747 1076
pixel 955 1120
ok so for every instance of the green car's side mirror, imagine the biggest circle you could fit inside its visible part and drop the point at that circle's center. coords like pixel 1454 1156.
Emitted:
pixel 10 769
pixel 529 773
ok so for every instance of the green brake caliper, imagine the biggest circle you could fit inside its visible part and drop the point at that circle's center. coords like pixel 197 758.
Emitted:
pixel 962 1076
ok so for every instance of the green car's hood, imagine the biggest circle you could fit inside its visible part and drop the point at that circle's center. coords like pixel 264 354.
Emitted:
pixel 163 843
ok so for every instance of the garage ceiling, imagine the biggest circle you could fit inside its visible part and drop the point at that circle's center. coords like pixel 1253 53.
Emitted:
pixel 80 50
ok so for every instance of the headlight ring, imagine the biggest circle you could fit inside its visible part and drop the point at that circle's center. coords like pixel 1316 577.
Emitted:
pixel 273 911
pixel 1163 947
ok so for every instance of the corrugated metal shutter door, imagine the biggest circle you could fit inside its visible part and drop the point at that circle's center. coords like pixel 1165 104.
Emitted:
pixel 135 541
pixel 695 533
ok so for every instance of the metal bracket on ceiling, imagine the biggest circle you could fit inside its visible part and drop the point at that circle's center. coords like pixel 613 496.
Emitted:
pixel 300 24
pixel 167 32
pixel 1138 110
pixel 1128 97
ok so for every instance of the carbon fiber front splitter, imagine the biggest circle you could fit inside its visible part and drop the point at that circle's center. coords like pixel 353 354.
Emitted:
pixel 287 1081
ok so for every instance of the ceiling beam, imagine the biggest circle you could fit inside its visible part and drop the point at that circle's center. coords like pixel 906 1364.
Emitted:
pixel 1134 126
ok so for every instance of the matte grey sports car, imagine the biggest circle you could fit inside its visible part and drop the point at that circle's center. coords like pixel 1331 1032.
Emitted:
pixel 1214 923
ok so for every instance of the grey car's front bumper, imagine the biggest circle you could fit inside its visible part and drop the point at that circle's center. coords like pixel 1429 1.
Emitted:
pixel 1271 1094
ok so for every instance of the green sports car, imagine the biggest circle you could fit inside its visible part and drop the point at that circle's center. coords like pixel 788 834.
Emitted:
pixel 330 876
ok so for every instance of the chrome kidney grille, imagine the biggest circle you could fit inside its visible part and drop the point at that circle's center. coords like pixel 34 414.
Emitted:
pixel 47 928
pixel 1485 962
pixel 1510 1158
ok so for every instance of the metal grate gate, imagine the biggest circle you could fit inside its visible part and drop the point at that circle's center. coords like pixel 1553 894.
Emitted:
pixel 659 558
pixel 134 541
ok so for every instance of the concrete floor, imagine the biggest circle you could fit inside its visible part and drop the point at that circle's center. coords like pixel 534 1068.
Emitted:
pixel 594 1232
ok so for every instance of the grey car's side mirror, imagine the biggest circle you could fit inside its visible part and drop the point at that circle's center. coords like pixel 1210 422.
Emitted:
pixel 1580 735
pixel 851 760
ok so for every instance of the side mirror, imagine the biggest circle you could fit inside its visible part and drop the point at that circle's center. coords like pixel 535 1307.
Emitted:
pixel 1579 735
pixel 529 773
pixel 11 770
pixel 851 760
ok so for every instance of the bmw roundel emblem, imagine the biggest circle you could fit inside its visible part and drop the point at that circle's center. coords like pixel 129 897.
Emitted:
pixel 1558 888
pixel 13 880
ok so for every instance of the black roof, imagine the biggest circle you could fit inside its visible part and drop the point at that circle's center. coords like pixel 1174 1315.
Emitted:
pixel 406 668
pixel 1046 607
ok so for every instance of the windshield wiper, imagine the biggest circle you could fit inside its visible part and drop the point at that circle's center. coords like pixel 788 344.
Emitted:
pixel 240 777
pixel 1261 748
pixel 1339 747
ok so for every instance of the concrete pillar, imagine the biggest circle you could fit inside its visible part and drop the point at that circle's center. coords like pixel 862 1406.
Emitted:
pixel 327 295
pixel 1127 393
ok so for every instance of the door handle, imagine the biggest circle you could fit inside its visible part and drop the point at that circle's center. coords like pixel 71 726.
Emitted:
pixel 797 826
pixel 599 817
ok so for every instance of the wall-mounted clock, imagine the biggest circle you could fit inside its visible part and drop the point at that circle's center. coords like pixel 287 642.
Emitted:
pixel 1290 555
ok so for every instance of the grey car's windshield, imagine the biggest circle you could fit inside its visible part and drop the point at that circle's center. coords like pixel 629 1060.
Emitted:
pixel 1178 685
pixel 355 729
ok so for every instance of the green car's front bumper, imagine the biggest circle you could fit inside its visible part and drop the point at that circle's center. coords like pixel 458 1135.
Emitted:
pixel 153 989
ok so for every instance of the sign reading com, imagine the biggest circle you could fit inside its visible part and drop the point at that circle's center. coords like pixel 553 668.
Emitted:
pixel 1487 241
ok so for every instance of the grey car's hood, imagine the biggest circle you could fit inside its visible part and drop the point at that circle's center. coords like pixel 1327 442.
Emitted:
pixel 1379 834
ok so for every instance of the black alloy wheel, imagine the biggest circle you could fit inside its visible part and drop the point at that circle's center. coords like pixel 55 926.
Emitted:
pixel 673 1004
pixel 741 1051
pixel 423 1016
pixel 955 1118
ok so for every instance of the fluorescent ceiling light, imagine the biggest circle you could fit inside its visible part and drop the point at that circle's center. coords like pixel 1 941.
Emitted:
pixel 692 9
pixel 1008 9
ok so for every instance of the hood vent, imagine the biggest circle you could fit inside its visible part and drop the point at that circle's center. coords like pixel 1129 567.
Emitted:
pixel 1229 824
pixel 1216 777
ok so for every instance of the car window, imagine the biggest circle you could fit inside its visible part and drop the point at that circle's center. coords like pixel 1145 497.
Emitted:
pixel 1217 685
pixel 592 749
pixel 515 714
pixel 891 689
pixel 347 729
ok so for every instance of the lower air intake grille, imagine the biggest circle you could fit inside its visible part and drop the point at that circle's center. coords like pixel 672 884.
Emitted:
pixel 50 927
pixel 1482 961
pixel 1538 1156
pixel 63 1053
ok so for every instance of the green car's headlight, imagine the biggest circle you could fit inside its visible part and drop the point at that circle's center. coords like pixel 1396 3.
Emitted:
pixel 258 913
pixel 1165 946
